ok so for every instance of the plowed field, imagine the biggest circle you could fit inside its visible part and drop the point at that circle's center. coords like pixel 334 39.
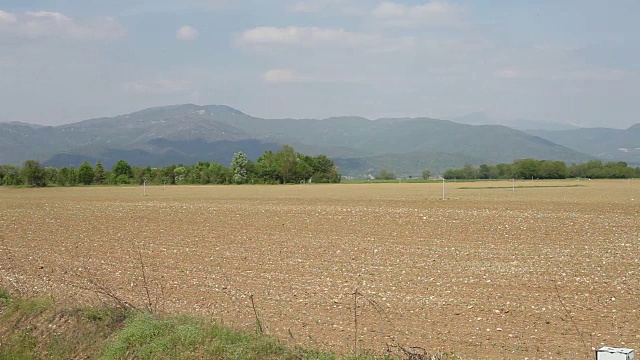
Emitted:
pixel 539 272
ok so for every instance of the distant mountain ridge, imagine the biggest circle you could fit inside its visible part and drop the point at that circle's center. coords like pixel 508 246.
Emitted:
pixel 189 133
pixel 481 118
pixel 604 143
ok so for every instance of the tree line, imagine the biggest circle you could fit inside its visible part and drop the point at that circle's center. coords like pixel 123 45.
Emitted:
pixel 281 167
pixel 545 169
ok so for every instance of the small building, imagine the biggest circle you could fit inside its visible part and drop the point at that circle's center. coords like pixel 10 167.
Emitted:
pixel 609 353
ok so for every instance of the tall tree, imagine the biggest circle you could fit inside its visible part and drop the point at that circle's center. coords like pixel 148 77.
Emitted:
pixel 469 171
pixel 179 174
pixel 287 159
pixel 525 168
pixel 304 168
pixel 217 174
pixel 86 173
pixel 63 177
pixel 240 168
pixel 267 169
pixel 121 172
pixel 385 174
pixel 484 172
pixel 99 174
pixel 50 175
pixel 10 175
pixel 33 173
pixel 325 171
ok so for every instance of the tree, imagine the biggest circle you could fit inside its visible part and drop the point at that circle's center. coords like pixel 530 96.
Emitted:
pixel 63 177
pixel 10 175
pixel 325 171
pixel 217 173
pixel 484 171
pixel 179 173
pixel 454 174
pixel 200 172
pixel 552 169
pixel 121 172
pixel 50 175
pixel 86 173
pixel 505 171
pixel 33 173
pixel 304 167
pixel 469 172
pixel 385 174
pixel 240 168
pixel 140 175
pixel 618 170
pixel 99 174
pixel 267 169
pixel 426 174
pixel 287 159
pixel 168 175
pixel 526 168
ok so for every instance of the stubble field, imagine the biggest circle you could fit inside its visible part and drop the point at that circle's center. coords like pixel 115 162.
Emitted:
pixel 539 272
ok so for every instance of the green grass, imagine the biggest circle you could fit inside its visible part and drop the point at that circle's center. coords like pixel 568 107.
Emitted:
pixel 38 329
pixel 29 307
pixel 148 336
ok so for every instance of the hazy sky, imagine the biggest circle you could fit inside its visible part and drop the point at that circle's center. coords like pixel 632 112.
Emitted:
pixel 573 61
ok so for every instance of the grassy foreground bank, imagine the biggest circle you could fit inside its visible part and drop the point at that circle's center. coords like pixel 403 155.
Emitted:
pixel 38 328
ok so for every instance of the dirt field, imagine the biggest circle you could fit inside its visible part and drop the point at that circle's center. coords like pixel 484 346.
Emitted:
pixel 486 273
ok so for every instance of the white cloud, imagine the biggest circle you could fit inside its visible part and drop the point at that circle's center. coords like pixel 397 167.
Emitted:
pixel 187 33
pixel 430 14
pixel 305 36
pixel 157 87
pixel 313 6
pixel 7 18
pixel 316 75
pixel 264 37
pixel 37 24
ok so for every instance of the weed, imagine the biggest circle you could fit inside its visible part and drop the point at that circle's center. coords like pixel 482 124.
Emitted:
pixel 142 335
pixel 30 307
pixel 104 314
pixel 18 345
pixel 5 297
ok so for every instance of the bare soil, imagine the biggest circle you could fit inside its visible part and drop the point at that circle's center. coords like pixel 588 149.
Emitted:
pixel 488 273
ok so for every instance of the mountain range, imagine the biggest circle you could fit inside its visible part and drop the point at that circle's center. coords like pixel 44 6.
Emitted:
pixel 185 134
pixel 481 118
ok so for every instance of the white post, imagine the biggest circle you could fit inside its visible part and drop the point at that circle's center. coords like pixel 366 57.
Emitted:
pixel 144 188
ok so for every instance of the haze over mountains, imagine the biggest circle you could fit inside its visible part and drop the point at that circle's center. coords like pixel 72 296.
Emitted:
pixel 481 118
pixel 189 133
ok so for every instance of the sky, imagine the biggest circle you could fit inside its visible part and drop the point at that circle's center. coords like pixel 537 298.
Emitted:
pixel 568 61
